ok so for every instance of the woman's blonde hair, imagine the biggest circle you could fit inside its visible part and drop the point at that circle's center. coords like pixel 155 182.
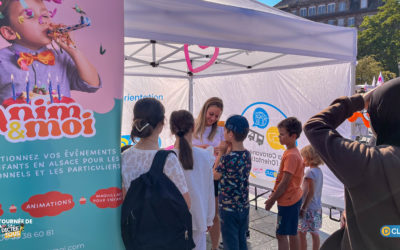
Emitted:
pixel 200 124
pixel 313 158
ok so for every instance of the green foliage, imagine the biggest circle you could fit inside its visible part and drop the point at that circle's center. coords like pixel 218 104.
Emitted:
pixel 387 75
pixel 368 67
pixel 379 36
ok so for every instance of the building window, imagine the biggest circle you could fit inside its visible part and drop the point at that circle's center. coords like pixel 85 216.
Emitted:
pixel 342 6
pixel 331 22
pixel 340 22
pixel 321 9
pixel 350 22
pixel 364 4
pixel 331 8
pixel 294 12
pixel 311 11
pixel 303 12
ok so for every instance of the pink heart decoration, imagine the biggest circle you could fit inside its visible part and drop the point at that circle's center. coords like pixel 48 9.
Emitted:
pixel 202 67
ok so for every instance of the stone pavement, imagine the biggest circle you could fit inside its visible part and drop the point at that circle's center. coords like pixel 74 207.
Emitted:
pixel 263 224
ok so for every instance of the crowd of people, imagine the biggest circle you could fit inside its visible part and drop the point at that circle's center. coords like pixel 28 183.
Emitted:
pixel 211 169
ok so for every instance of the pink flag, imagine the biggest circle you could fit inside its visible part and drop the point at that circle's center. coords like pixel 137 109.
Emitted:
pixel 380 79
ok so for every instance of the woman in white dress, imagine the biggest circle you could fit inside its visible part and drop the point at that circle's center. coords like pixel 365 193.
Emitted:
pixel 148 122
pixel 207 134
pixel 197 164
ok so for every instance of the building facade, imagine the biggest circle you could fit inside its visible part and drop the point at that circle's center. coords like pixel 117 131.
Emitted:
pixel 348 13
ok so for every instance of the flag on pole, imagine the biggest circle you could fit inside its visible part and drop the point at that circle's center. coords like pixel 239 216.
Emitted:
pixel 380 79
pixel 373 84
pixel 365 87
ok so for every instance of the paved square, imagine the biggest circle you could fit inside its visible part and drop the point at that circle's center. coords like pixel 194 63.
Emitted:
pixel 262 228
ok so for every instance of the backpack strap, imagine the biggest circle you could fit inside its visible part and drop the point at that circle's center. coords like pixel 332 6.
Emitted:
pixel 157 166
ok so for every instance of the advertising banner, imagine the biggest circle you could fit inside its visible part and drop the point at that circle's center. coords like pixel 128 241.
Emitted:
pixel 61 78
pixel 267 98
pixel 173 93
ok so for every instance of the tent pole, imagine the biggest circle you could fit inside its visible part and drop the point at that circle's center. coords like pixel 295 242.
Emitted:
pixel 352 92
pixel 191 94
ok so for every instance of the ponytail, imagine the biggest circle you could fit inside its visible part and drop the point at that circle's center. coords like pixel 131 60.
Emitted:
pixel 181 123
pixel 185 153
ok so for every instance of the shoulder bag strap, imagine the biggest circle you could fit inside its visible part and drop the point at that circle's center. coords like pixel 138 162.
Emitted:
pixel 157 166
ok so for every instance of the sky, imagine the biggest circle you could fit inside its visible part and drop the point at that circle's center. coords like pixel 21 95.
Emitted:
pixel 269 2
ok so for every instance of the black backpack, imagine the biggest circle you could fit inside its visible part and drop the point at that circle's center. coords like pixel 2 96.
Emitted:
pixel 154 213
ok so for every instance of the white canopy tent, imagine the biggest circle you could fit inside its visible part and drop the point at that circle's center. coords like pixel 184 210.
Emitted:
pixel 266 57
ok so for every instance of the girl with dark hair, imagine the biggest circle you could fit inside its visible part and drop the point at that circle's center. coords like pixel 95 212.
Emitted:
pixel 148 122
pixel 207 134
pixel 197 164
pixel 370 174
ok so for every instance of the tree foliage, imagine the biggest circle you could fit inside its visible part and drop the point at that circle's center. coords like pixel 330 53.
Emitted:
pixel 379 36
pixel 368 67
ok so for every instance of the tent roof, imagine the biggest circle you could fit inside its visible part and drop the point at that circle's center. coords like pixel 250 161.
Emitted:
pixel 251 37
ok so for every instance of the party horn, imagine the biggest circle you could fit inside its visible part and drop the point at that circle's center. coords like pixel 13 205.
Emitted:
pixel 85 22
